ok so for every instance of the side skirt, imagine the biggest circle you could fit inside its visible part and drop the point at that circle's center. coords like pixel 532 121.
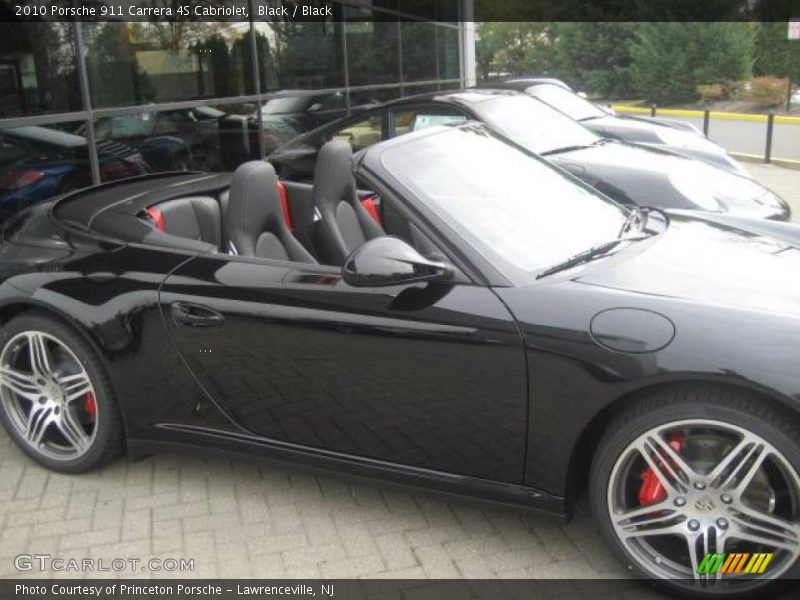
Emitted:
pixel 194 440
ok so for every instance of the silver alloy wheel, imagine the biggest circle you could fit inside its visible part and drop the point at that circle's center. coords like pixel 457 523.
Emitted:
pixel 724 489
pixel 47 396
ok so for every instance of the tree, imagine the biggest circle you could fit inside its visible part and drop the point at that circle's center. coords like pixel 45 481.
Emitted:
pixel 213 53
pixel 114 64
pixel 776 55
pixel 596 57
pixel 669 60
pixel 515 48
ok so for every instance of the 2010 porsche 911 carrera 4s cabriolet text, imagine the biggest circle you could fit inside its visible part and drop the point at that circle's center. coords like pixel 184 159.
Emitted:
pixel 446 309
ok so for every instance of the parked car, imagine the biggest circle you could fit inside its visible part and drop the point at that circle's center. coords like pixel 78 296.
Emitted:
pixel 174 140
pixel 629 173
pixel 38 162
pixel 520 354
pixel 676 136
pixel 283 117
pixel 305 110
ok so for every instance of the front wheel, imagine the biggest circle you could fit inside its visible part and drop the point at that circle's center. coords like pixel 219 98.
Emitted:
pixel 700 490
pixel 56 401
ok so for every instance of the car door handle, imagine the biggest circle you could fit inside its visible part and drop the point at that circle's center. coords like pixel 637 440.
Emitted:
pixel 195 315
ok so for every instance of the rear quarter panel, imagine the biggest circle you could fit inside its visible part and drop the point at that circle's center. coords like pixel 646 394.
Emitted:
pixel 111 297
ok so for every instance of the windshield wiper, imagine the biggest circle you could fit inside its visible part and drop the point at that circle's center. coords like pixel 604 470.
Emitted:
pixel 565 149
pixel 581 258
pixel 632 230
pixel 598 142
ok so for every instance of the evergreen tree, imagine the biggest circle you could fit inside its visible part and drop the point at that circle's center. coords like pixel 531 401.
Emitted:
pixel 671 59
pixel 595 57
pixel 516 48
pixel 775 55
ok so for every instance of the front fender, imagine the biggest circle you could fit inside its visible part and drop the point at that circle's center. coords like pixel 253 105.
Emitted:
pixel 783 231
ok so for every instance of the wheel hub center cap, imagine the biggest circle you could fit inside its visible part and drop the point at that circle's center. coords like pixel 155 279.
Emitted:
pixel 53 391
pixel 704 504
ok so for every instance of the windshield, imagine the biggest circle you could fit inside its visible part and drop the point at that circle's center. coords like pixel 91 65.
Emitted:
pixel 533 124
pixel 512 207
pixel 567 102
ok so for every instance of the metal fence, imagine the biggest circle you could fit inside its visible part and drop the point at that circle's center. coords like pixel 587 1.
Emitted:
pixel 766 137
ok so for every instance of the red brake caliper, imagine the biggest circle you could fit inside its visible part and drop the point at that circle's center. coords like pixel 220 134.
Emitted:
pixel 652 491
pixel 90 404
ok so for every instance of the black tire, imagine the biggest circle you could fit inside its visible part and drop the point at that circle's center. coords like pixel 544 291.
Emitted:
pixel 108 440
pixel 780 427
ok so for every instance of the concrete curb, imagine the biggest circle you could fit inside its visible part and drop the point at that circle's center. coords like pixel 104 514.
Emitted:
pixel 756 158
pixel 680 112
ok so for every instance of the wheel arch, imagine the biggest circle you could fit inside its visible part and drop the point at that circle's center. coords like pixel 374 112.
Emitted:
pixel 585 448
pixel 15 308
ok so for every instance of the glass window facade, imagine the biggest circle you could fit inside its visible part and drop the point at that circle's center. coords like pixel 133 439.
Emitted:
pixel 158 96
pixel 38 72
pixel 145 63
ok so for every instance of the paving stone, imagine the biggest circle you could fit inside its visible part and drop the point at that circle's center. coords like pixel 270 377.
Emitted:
pixel 242 520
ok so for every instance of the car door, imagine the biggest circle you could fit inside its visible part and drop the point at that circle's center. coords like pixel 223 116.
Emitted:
pixel 429 375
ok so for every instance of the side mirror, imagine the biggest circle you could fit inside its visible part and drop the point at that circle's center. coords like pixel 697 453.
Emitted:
pixel 316 107
pixel 386 261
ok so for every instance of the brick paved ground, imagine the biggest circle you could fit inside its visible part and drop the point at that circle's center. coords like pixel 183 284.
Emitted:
pixel 250 520
pixel 245 520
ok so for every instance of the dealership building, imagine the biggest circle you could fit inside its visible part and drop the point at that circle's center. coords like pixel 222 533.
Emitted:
pixel 89 102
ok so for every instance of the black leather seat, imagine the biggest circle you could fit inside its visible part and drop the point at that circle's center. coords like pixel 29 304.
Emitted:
pixel 254 220
pixel 344 224
pixel 196 218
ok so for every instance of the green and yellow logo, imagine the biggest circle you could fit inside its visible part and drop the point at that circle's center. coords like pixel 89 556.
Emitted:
pixel 731 563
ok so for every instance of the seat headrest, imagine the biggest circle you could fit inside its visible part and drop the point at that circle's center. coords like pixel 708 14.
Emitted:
pixel 253 205
pixel 333 174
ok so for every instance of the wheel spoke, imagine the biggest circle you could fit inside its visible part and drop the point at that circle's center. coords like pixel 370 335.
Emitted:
pixel 757 527
pixel 39 420
pixel 681 467
pixel 72 430
pixel 22 384
pixel 75 386
pixel 39 354
pixel 647 521
pixel 747 535
pixel 737 469
pixel 708 541
pixel 671 472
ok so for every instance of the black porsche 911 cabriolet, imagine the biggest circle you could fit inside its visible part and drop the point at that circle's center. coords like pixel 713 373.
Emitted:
pixel 518 337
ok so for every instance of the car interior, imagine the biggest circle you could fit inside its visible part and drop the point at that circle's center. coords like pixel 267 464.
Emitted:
pixel 260 216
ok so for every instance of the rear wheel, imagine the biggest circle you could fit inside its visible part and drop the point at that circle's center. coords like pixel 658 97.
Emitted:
pixel 55 399
pixel 689 475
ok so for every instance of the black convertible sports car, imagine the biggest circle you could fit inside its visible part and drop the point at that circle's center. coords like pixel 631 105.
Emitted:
pixel 518 337
pixel 677 136
pixel 629 173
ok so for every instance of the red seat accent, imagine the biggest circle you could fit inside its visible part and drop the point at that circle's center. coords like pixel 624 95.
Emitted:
pixel 369 205
pixel 287 217
pixel 156 217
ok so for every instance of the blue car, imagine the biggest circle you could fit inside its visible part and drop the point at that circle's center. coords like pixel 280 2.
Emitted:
pixel 37 163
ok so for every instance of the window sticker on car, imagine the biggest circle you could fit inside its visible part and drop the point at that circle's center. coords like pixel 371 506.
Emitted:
pixel 425 121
